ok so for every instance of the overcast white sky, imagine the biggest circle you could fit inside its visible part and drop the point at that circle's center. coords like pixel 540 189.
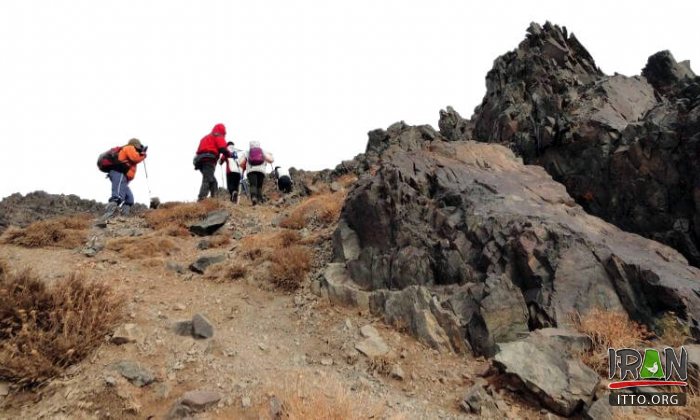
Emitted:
pixel 307 78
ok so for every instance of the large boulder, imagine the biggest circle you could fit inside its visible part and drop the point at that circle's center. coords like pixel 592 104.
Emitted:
pixel 562 383
pixel 465 247
pixel 210 224
pixel 625 147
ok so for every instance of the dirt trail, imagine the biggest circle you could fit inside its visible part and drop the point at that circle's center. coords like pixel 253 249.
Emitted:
pixel 264 339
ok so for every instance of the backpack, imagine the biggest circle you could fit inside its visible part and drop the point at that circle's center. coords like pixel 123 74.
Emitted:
pixel 256 156
pixel 109 161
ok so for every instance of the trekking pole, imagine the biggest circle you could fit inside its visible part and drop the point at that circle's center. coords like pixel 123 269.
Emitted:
pixel 153 202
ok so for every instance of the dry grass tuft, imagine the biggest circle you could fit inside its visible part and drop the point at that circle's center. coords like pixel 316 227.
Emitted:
pixel 290 266
pixel 142 247
pixel 320 210
pixel 672 331
pixel 45 329
pixel 325 399
pixel 236 271
pixel 178 215
pixel 63 232
pixel 608 329
pixel 218 241
pixel 262 245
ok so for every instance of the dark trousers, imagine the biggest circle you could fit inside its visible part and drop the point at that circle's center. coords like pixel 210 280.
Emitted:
pixel 209 184
pixel 255 180
pixel 233 180
pixel 284 183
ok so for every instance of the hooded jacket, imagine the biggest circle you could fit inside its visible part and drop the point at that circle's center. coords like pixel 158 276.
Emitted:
pixel 130 157
pixel 214 143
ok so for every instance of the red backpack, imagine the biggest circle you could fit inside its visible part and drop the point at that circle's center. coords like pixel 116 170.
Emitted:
pixel 109 161
pixel 256 156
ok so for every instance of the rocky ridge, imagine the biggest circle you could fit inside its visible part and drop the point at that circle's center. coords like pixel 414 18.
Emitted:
pixel 624 147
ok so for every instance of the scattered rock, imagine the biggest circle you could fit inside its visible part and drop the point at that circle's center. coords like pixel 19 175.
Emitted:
pixel 478 401
pixel 326 361
pixel 176 267
pixel 211 224
pixel 202 263
pixel 372 347
pixel 203 244
pixel 276 408
pixel 335 187
pixel 4 389
pixel 599 410
pixel 134 372
pixel 246 402
pixel 202 327
pixel 397 373
pixel 368 331
pixel 127 333
pixel 200 399
pixel 561 383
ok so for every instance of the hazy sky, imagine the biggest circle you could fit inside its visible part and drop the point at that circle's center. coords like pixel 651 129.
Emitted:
pixel 308 79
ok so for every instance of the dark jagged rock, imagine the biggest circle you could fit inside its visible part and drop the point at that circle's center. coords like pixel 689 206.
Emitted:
pixel 625 147
pixel 466 247
pixel 210 224
pixel 453 126
pixel 21 211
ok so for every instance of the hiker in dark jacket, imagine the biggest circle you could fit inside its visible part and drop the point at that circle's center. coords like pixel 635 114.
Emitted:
pixel 210 148
pixel 233 172
pixel 120 175
pixel 284 180
pixel 254 162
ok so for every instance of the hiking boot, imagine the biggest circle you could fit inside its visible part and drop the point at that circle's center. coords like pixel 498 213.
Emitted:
pixel 234 197
pixel 126 210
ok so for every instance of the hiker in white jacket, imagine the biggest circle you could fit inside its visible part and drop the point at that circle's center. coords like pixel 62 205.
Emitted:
pixel 284 180
pixel 255 162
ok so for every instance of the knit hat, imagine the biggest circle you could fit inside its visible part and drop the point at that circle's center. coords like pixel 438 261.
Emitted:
pixel 135 142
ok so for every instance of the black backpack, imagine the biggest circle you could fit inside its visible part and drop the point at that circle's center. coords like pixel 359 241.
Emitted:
pixel 109 161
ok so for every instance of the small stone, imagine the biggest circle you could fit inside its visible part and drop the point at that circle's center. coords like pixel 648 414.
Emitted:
pixel 262 346
pixel 397 373
pixel 348 324
pixel 327 361
pixel 372 347
pixel 176 267
pixel 180 307
pixel 200 266
pixel 126 333
pixel 110 380
pixel 369 331
pixel 335 187
pixel 4 389
pixel 200 399
pixel 133 371
pixel 275 408
pixel 201 327
pixel 245 402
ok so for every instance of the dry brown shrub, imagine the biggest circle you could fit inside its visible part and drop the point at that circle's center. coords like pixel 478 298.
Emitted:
pixel 142 247
pixel 63 232
pixel 322 210
pixel 323 399
pixel 174 215
pixel 608 329
pixel 236 270
pixel 672 331
pixel 217 241
pixel 290 266
pixel 347 180
pixel 261 245
pixel 45 329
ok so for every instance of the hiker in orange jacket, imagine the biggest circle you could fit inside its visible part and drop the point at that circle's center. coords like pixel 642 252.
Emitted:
pixel 121 174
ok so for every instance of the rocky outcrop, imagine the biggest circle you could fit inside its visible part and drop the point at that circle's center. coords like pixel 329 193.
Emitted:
pixel 21 211
pixel 625 147
pixel 465 247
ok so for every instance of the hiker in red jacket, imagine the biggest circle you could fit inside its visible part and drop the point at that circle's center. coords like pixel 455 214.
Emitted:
pixel 210 148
